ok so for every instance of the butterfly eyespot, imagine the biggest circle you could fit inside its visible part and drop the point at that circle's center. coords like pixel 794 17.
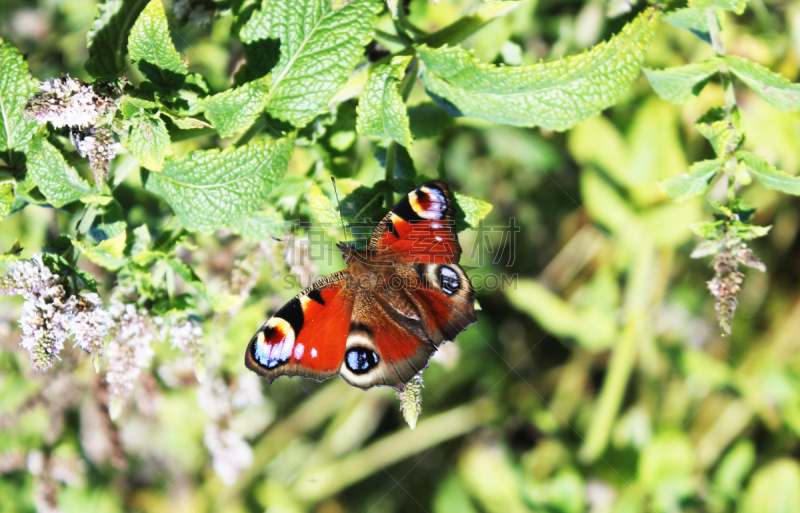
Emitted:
pixel 274 343
pixel 360 360
pixel 449 280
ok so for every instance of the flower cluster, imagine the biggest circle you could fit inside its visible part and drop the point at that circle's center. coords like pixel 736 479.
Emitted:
pixel 47 471
pixel 100 148
pixel 81 107
pixel 50 314
pixel 129 352
pixel 68 102
pixel 186 334
pixel 230 453
pixel 90 325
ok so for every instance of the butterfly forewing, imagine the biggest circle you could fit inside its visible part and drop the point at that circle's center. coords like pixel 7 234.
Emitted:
pixel 421 227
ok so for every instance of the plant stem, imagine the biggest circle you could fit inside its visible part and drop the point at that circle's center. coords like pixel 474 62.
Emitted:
pixel 390 38
pixel 170 280
pixel 259 125
pixel 407 85
pixel 638 300
pixel 391 150
pixel 719 47
pixel 727 80
pixel 317 483
pixel 468 25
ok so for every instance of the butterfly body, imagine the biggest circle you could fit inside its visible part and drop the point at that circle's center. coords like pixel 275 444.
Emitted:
pixel 378 321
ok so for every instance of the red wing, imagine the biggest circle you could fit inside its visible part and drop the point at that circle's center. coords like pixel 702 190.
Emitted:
pixel 307 336
pixel 421 226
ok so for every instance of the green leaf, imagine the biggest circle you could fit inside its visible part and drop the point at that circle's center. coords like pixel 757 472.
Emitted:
pixel 667 461
pixel 149 141
pixel 6 198
pixel 235 109
pixel 320 46
pixel 260 57
pixel 187 123
pixel 555 95
pixel 219 302
pixel 322 207
pixel 472 209
pixel 15 87
pixel 130 106
pixel 11 255
pixel 693 183
pixel 337 145
pixel 725 134
pixel 106 40
pixel 260 225
pixel 775 89
pixel 210 189
pixel 381 109
pixel 141 239
pixel 428 120
pixel 734 467
pixel 364 203
pixel 405 175
pixel 694 20
pixel 681 82
pixel 770 177
pixel 774 488
pixel 108 254
pixel 705 229
pixel 109 222
pixel 57 180
pixel 737 6
pixel 452 498
pixel 151 49
pixel 363 209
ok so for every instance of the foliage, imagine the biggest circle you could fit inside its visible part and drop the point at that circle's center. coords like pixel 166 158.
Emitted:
pixel 150 152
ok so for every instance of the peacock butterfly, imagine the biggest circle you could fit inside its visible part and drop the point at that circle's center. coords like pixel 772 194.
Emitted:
pixel 378 321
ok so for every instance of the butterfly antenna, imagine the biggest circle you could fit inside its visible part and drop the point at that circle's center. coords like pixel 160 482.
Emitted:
pixel 339 207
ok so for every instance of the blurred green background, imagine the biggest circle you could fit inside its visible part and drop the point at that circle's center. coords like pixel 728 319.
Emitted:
pixel 595 380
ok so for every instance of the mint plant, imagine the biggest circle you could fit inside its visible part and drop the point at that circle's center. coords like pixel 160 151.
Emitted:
pixel 723 177
pixel 144 160
pixel 299 57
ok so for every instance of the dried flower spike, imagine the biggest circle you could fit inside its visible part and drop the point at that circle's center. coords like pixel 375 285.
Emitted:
pixel 411 400
pixel 727 281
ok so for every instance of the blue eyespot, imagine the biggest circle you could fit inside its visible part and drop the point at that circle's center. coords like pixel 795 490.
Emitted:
pixel 360 360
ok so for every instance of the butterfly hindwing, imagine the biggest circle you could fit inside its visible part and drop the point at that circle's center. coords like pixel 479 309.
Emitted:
pixel 395 330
